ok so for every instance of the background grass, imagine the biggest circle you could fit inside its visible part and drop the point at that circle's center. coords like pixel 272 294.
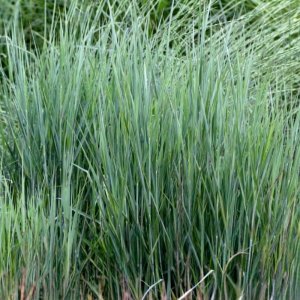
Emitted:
pixel 139 159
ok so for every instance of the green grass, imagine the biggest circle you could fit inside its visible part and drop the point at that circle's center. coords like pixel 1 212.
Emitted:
pixel 149 163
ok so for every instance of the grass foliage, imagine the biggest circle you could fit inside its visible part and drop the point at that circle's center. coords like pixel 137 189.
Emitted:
pixel 152 164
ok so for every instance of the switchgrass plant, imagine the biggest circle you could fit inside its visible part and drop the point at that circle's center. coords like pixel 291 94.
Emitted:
pixel 151 166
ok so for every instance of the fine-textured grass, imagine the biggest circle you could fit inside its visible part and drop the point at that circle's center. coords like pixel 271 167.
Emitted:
pixel 158 164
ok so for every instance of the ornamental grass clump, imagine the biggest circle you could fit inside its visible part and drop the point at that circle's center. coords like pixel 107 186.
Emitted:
pixel 151 164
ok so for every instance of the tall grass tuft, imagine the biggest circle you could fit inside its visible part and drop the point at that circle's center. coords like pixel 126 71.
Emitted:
pixel 152 164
